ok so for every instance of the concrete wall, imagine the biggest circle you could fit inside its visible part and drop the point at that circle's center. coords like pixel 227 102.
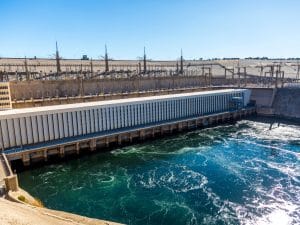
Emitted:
pixel 287 102
pixel 283 102
pixel 262 96
pixel 37 89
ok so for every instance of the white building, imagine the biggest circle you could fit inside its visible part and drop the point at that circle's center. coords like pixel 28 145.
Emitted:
pixel 31 126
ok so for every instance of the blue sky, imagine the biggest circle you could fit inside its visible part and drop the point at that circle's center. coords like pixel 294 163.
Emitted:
pixel 202 28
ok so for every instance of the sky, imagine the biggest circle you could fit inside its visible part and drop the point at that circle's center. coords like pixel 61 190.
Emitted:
pixel 201 28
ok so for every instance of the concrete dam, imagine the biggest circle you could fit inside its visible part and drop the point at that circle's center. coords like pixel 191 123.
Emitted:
pixel 37 133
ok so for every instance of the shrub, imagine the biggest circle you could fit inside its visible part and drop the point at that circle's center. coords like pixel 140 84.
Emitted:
pixel 21 198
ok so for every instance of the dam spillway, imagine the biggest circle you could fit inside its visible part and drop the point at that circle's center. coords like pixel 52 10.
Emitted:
pixel 42 131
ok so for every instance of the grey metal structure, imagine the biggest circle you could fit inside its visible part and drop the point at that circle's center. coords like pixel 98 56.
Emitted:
pixel 35 126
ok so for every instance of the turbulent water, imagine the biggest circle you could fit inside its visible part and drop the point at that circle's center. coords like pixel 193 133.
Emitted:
pixel 232 174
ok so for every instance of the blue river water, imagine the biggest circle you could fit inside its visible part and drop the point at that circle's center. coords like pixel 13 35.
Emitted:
pixel 242 173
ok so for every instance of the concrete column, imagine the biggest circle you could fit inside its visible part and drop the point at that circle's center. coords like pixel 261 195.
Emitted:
pixel 93 144
pixel 180 127
pixel 119 139
pixel 107 142
pixel 62 151
pixel 171 129
pixel 45 153
pixel 26 159
pixel 142 135
pixel 161 130
pixel 77 148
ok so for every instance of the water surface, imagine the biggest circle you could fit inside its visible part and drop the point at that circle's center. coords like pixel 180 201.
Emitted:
pixel 232 174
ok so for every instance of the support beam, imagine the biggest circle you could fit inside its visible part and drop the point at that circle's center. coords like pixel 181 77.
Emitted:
pixel 77 148
pixel 45 154
pixel 26 159
pixel 142 134
pixel 92 144
pixel 62 151
pixel 119 139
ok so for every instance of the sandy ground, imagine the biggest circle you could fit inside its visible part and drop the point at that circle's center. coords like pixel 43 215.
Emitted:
pixel 47 65
pixel 12 213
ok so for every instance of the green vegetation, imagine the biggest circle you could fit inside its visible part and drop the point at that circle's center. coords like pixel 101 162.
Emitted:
pixel 21 198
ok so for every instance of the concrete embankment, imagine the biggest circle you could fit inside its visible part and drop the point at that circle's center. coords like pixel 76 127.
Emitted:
pixel 20 214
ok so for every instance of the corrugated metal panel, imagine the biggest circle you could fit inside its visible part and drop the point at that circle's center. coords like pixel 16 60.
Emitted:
pixel 17 131
pixel 40 128
pixel 88 121
pixel 5 136
pixel 56 126
pixel 96 118
pixel 35 131
pixel 60 125
pixel 24 136
pixel 79 126
pixel 51 127
pixel 70 124
pixel 46 128
pixel 65 123
pixel 83 116
pixel 11 132
pixel 92 118
pixel 29 130
pixel 75 124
